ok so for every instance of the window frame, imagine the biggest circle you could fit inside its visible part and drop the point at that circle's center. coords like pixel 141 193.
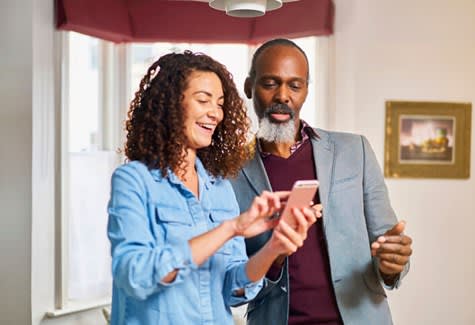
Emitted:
pixel 111 58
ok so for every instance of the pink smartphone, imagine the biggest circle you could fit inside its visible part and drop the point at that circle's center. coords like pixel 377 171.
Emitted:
pixel 302 195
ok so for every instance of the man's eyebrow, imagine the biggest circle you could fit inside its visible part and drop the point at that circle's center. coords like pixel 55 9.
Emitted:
pixel 269 76
pixel 299 79
pixel 275 77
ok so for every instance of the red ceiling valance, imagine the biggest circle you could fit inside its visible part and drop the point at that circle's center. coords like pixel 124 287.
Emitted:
pixel 189 21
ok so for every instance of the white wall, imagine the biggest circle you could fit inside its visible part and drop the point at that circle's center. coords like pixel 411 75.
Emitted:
pixel 27 140
pixel 414 50
pixel 15 161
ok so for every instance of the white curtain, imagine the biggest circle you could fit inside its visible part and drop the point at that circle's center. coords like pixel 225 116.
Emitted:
pixel 89 274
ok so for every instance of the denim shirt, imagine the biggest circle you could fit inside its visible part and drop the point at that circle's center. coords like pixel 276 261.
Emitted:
pixel 151 219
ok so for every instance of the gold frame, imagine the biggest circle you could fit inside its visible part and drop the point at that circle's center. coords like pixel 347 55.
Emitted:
pixel 459 118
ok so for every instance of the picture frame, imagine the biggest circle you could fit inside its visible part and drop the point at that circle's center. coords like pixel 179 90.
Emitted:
pixel 427 139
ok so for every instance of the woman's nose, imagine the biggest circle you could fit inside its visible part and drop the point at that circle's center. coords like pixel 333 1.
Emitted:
pixel 215 112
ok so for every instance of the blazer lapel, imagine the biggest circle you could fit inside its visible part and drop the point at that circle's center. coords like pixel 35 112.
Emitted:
pixel 323 153
pixel 256 174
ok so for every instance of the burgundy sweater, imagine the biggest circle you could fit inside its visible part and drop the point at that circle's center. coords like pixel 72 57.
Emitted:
pixel 312 300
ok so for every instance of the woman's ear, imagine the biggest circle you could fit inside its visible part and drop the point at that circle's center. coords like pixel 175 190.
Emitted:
pixel 248 87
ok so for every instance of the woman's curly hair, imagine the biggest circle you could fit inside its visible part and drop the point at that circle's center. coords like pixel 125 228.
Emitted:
pixel 155 125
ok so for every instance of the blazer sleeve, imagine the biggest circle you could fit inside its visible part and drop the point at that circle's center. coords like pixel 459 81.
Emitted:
pixel 378 212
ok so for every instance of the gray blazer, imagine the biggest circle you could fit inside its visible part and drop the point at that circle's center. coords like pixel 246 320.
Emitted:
pixel 356 210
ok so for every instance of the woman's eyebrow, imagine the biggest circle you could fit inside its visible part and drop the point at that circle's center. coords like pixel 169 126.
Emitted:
pixel 206 93
pixel 202 92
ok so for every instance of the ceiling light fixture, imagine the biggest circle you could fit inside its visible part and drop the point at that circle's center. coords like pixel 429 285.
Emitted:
pixel 246 8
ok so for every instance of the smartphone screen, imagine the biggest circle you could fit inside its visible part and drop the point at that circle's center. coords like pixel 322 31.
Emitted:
pixel 301 195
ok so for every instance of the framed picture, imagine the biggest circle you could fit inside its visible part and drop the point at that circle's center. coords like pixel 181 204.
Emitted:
pixel 427 139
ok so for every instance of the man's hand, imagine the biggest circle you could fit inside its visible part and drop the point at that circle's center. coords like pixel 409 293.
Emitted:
pixel 393 250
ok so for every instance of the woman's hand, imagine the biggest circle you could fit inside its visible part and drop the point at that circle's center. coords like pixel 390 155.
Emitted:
pixel 257 218
pixel 285 239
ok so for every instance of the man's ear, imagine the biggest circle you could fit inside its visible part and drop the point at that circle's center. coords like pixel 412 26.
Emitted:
pixel 248 87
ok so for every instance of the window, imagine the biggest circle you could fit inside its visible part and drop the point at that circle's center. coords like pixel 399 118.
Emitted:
pixel 234 56
pixel 98 83
pixel 87 163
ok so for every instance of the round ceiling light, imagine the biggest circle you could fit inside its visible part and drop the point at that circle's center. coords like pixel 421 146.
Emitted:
pixel 245 8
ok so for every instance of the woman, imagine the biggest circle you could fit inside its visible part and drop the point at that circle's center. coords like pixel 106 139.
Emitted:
pixel 178 254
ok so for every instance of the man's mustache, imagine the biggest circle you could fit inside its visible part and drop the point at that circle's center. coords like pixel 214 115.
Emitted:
pixel 279 109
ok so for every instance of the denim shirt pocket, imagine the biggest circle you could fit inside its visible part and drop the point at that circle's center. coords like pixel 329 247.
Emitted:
pixel 174 223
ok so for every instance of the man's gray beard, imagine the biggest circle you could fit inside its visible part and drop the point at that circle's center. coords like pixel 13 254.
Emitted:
pixel 276 132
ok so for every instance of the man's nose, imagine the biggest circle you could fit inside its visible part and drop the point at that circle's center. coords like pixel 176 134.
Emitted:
pixel 282 95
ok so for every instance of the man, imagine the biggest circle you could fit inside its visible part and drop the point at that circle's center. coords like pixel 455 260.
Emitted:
pixel 358 246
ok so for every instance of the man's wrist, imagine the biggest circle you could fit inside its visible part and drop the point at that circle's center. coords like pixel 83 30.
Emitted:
pixel 389 279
